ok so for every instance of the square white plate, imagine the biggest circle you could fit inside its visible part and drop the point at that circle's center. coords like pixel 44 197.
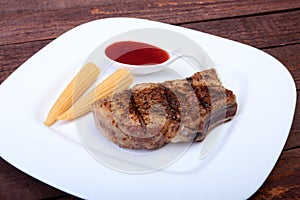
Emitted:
pixel 266 97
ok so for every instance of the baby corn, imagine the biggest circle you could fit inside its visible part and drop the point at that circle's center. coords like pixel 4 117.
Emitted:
pixel 82 81
pixel 118 81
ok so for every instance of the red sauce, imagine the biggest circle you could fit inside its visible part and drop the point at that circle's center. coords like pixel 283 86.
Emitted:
pixel 136 53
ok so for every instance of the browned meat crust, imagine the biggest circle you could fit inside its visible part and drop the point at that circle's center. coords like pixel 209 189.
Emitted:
pixel 150 115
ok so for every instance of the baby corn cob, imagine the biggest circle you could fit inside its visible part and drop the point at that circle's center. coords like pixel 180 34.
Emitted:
pixel 82 80
pixel 118 81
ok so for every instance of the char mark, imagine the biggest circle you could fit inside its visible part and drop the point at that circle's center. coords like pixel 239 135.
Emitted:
pixel 133 110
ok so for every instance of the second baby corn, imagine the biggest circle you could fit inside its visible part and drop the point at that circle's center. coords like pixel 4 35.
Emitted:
pixel 119 80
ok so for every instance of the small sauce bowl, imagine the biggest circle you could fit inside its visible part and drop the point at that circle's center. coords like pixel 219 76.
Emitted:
pixel 138 57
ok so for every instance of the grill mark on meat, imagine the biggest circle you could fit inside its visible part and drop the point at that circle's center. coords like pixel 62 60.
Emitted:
pixel 133 109
pixel 197 135
pixel 204 101
pixel 203 96
pixel 173 104
pixel 173 111
pixel 202 93
pixel 166 100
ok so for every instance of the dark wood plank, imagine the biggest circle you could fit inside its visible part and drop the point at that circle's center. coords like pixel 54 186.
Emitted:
pixel 45 23
pixel 283 182
pixel 293 140
pixel 5 73
pixel 194 7
pixel 12 56
pixel 24 186
pixel 259 31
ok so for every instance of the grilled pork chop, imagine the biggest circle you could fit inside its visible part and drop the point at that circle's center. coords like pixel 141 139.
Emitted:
pixel 150 115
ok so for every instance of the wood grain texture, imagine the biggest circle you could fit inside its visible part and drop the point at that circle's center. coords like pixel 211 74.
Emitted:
pixel 206 9
pixel 284 181
pixel 293 140
pixel 259 31
pixel 24 186
pixel 49 20
pixel 12 56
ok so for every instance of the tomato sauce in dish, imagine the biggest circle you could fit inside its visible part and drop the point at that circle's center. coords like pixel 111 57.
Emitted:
pixel 136 53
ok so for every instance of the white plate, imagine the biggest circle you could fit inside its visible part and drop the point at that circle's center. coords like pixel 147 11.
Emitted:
pixel 253 142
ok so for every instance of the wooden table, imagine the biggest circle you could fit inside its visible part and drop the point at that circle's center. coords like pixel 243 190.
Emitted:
pixel 270 25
